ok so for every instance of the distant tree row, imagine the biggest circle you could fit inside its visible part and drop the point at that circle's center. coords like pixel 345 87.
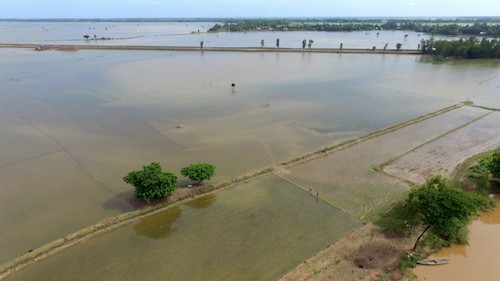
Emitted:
pixel 151 182
pixel 432 27
pixel 471 48
pixel 446 29
pixel 282 25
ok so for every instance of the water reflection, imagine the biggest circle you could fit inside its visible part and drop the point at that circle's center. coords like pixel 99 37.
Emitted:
pixel 158 226
pixel 202 202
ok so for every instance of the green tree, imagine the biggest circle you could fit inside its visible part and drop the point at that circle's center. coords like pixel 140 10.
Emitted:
pixel 199 171
pixel 444 210
pixel 151 182
pixel 494 164
pixel 398 46
pixel 304 42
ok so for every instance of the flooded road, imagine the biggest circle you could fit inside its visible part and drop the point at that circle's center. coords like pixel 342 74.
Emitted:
pixel 476 261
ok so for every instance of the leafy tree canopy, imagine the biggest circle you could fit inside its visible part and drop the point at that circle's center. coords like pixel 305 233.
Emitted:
pixel 152 182
pixel 199 171
pixel 446 210
pixel 494 165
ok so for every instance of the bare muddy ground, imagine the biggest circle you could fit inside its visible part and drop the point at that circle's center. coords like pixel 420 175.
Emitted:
pixel 443 155
pixel 361 255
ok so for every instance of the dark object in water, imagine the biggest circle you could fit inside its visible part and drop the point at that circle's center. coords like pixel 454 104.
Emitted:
pixel 436 261
pixel 233 85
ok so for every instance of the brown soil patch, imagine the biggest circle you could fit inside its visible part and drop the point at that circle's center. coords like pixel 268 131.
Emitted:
pixel 365 254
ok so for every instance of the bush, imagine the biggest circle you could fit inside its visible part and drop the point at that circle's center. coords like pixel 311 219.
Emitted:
pixel 199 172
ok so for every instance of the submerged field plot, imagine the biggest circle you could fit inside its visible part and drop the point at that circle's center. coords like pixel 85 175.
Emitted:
pixel 254 231
pixel 348 178
pixel 443 155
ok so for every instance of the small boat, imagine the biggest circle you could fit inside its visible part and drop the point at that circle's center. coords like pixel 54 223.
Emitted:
pixel 436 261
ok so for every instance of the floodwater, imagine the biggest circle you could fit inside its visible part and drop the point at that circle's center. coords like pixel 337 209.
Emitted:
pixel 476 261
pixel 186 34
pixel 72 124
pixel 254 231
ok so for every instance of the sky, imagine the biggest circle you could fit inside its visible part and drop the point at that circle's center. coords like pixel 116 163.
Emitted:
pixel 245 8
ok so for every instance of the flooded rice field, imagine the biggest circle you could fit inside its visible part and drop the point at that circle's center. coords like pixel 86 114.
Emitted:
pixel 347 179
pixel 186 34
pixel 254 231
pixel 72 124
pixel 442 156
pixel 476 261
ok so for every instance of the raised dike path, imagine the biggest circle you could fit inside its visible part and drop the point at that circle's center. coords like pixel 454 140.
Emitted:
pixel 59 47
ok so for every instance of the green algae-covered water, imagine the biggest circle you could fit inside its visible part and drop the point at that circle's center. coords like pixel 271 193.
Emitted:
pixel 254 231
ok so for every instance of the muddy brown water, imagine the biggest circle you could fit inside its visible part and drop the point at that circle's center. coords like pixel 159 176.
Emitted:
pixel 72 124
pixel 476 261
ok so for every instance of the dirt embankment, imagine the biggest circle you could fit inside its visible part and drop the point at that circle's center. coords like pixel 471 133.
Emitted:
pixel 208 49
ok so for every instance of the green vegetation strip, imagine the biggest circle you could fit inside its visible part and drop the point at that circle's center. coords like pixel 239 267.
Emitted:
pixel 346 144
pixel 9 268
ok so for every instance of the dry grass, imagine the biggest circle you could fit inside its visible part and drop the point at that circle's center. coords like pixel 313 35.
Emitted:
pixel 365 254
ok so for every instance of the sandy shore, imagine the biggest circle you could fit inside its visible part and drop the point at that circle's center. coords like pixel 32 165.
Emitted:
pixel 206 49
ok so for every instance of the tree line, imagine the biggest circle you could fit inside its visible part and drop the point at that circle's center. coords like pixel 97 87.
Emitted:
pixel 471 48
pixel 490 28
